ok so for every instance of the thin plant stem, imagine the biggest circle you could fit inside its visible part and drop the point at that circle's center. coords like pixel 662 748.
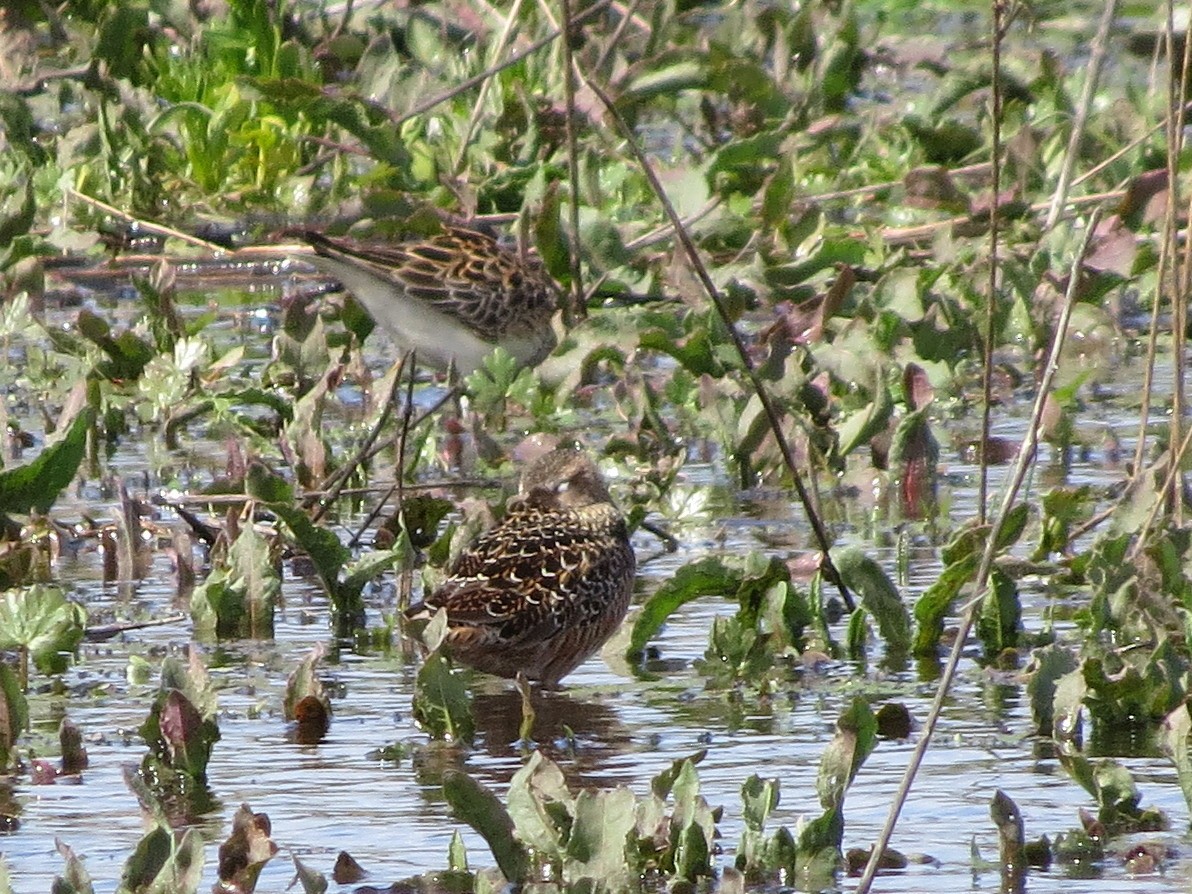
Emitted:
pixel 407 572
pixel 994 267
pixel 747 365
pixel 576 308
pixel 1175 461
pixel 332 487
pixel 146 225
pixel 1026 457
pixel 1167 242
pixel 423 107
pixel 1179 309
pixel 615 37
pixel 1092 76
pixel 482 95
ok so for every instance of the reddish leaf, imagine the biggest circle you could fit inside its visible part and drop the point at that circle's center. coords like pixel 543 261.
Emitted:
pixel 180 723
pixel 917 387
pixel 246 851
pixel 347 871
pixel 1145 200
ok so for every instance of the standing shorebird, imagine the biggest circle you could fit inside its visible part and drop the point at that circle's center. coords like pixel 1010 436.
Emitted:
pixel 544 589
pixel 455 296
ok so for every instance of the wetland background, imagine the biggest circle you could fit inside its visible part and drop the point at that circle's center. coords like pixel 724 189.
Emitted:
pixel 185 403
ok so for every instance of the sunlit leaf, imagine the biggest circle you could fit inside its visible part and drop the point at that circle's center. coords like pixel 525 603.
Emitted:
pixel 41 620
pixel 442 703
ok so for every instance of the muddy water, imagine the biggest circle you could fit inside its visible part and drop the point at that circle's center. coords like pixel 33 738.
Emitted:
pixel 607 728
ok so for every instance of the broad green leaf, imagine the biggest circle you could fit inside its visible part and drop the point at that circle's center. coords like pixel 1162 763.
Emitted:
pixel 705 577
pixel 596 847
pixel 1000 620
pixel 936 601
pixel 164 862
pixel 541 806
pixel 43 621
pixel 855 739
pixel 1048 665
pixel 36 485
pixel 477 806
pixel 442 703
pixel 878 594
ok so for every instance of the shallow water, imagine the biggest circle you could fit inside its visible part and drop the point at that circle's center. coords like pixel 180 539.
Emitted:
pixel 607 728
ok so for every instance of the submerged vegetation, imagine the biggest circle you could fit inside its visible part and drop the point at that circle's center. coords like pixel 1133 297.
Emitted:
pixel 803 249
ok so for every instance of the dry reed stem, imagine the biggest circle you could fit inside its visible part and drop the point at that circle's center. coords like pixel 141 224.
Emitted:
pixel 1026 457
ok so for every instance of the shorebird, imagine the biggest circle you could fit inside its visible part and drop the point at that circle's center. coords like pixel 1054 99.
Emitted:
pixel 544 589
pixel 452 297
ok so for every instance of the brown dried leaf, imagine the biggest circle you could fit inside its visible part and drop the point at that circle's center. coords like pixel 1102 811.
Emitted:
pixel 1113 248
pixel 933 187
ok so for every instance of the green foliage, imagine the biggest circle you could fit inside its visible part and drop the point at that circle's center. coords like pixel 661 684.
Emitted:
pixel 238 598
pixel 180 732
pixel 442 702
pixel 35 486
pixel 878 594
pixel 42 624
pixel 164 861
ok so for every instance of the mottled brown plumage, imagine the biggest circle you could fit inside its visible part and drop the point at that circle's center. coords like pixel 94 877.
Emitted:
pixel 547 587
pixel 456 295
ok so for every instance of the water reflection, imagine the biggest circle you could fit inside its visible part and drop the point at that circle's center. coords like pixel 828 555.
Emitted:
pixel 581 733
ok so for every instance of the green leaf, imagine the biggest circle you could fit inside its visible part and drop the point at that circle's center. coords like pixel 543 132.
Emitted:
pixel 704 577
pixel 596 847
pixel 758 798
pixel 42 620
pixel 14 713
pixel 477 806
pixel 1048 665
pixel 1000 620
pixel 238 600
pixel 76 879
pixel 36 485
pixel 856 737
pixel 164 863
pixel 1173 739
pixel 442 703
pixel 311 880
pixel 541 806
pixel 936 601
pixel 878 594
pixel 457 853
pixel 860 426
